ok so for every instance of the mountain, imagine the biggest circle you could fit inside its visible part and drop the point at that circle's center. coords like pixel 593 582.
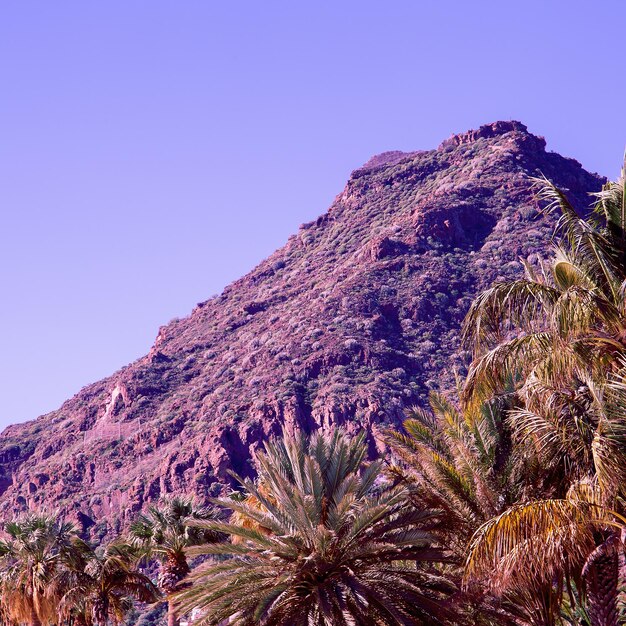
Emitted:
pixel 353 320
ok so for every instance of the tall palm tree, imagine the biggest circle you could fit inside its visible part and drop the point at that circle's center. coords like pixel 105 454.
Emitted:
pixel 33 553
pixel 331 543
pixel 463 463
pixel 165 532
pixel 101 586
pixel 562 330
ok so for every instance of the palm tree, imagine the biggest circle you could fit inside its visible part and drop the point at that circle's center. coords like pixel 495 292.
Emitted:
pixel 330 543
pixel 165 532
pixel 459 462
pixel 562 331
pixel 101 586
pixel 569 543
pixel 560 326
pixel 464 464
pixel 33 554
pixel 577 538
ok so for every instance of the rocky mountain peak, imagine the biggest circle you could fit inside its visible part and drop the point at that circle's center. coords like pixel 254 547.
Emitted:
pixel 353 320
pixel 495 129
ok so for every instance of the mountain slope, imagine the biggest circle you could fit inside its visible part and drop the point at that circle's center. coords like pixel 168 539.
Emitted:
pixel 355 318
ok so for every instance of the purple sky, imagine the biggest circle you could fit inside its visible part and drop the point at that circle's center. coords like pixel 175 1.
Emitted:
pixel 151 152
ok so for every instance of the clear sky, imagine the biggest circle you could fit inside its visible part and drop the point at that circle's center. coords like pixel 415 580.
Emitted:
pixel 152 151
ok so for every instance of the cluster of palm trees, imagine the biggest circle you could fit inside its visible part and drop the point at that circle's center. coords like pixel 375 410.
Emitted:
pixel 50 575
pixel 560 333
pixel 504 508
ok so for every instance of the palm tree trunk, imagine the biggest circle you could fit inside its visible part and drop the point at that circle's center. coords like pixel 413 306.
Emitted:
pixel 173 571
pixel 172 615
pixel 34 618
pixel 601 576
pixel 622 566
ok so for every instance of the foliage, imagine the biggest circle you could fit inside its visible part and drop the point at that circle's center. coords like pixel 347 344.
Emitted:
pixel 100 587
pixel 48 574
pixel 330 543
pixel 33 552
pixel 165 531
pixel 561 332
pixel 464 464
pixel 458 462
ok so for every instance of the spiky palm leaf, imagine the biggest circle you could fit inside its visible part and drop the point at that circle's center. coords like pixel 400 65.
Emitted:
pixel 464 464
pixel 564 322
pixel 330 545
pixel 100 588
pixel 548 541
pixel 455 461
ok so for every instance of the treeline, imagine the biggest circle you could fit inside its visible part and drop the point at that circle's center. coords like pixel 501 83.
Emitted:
pixel 502 507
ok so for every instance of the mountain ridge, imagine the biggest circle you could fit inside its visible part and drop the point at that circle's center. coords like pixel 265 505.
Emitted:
pixel 355 318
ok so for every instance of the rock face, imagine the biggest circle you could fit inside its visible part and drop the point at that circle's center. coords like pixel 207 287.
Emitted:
pixel 353 320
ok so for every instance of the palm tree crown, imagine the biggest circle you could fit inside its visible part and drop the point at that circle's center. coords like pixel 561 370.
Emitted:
pixel 459 462
pixel 33 553
pixel 99 588
pixel 330 544
pixel 165 531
